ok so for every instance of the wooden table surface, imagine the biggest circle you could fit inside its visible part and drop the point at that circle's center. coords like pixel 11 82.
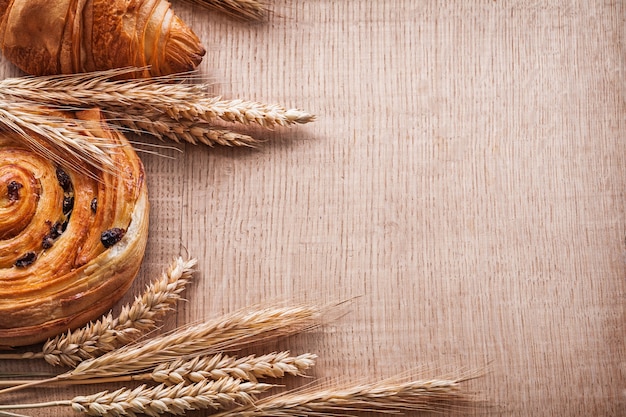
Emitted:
pixel 464 184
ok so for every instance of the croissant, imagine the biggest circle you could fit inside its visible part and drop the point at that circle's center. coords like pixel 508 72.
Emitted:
pixel 44 37
pixel 70 243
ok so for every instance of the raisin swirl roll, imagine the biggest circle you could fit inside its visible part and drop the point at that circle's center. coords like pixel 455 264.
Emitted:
pixel 72 237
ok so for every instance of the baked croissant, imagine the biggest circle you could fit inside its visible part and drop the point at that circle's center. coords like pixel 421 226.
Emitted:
pixel 44 37
pixel 70 243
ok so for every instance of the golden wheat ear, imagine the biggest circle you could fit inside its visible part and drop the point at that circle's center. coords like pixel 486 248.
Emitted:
pixel 110 332
pixel 249 10
pixel 161 399
pixel 248 368
pixel 384 397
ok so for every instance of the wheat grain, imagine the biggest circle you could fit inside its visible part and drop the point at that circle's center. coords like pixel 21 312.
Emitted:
pixel 161 399
pixel 110 332
pixel 387 397
pixel 249 368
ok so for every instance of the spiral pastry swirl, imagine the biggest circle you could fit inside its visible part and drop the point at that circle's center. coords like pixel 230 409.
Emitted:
pixel 70 244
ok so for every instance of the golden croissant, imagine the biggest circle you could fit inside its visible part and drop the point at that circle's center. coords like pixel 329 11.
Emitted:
pixel 70 243
pixel 44 37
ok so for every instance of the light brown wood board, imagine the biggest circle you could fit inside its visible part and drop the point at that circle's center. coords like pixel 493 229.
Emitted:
pixel 463 185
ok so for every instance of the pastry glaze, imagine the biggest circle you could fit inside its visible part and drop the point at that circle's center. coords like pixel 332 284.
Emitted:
pixel 60 217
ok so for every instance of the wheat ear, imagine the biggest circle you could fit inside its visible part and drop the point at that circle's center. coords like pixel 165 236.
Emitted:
pixel 163 127
pixel 189 371
pixel 228 332
pixel 108 333
pixel 241 111
pixel 162 399
pixel 148 97
pixel 252 10
pixel 162 106
pixel 388 397
pixel 249 368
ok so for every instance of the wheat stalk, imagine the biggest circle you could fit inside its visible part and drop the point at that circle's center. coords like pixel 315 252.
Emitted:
pixel 249 368
pixel 253 10
pixel 389 397
pixel 161 399
pixel 9 414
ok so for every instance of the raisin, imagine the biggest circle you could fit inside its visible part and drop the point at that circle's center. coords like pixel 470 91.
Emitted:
pixel 64 180
pixel 13 191
pixel 112 236
pixel 68 204
pixel 47 242
pixel 94 205
pixel 25 260
pixel 55 231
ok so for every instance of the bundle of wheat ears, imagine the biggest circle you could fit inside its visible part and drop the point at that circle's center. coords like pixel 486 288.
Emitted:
pixel 166 107
pixel 192 367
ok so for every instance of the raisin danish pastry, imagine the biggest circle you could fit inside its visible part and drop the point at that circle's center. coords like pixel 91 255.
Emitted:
pixel 70 243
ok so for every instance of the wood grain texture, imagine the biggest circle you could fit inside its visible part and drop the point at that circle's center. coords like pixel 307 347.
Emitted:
pixel 465 181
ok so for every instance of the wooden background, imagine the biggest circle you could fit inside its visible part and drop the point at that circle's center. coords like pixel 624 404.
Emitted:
pixel 464 183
